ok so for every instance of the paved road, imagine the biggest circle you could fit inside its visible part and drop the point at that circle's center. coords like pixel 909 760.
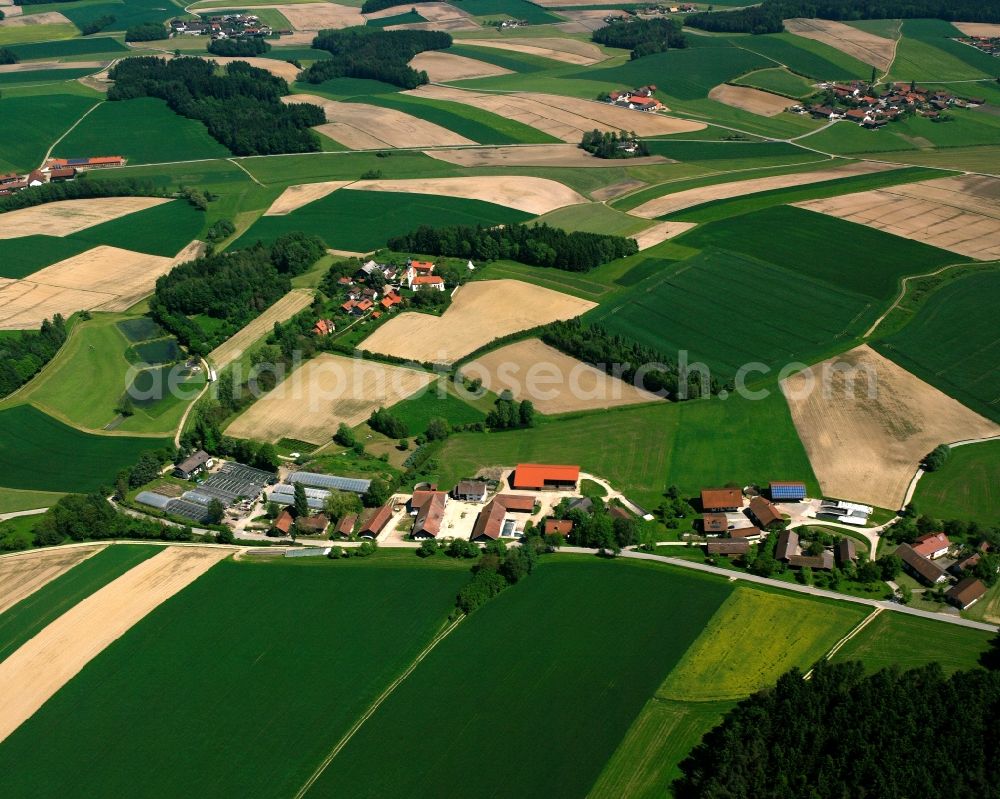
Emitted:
pixel 793 587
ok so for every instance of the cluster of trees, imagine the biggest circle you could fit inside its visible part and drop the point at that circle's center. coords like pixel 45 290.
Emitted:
pixel 936 458
pixel 508 414
pixel 497 568
pixel 382 421
pixel 608 144
pixel 362 52
pixel 205 433
pixel 766 18
pixel 241 108
pixel 371 6
pixel 80 189
pixel 80 517
pixel 538 245
pixel 145 32
pixel 642 36
pixel 219 231
pixel 843 733
pixel 144 470
pixel 626 358
pixel 253 46
pixel 21 356
pixel 97 24
pixel 7 56
pixel 599 529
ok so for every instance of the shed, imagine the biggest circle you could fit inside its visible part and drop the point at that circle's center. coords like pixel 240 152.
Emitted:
pixel 538 476
pixel 721 499
pixel 966 593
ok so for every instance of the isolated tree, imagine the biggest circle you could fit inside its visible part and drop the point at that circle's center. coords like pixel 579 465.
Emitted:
pixel 378 494
pixel 216 512
pixel 890 566
pixel 437 429
pixel 344 436
pixel 341 503
pixel 428 548
pixel 225 536
pixel 300 504
pixel 526 413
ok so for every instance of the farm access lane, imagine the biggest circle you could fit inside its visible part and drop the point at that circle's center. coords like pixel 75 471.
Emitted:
pixel 795 587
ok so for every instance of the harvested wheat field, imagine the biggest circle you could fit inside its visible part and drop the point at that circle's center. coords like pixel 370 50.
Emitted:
pixel 553 381
pixel 991 30
pixel 534 155
pixel 280 69
pixel 319 16
pixel 960 214
pixel 584 20
pixel 43 18
pixel 616 189
pixel 569 51
pixel 283 310
pixel 659 233
pixel 25 305
pixel 442 67
pixel 24 573
pixel 322 393
pixel 529 194
pixel 669 203
pixel 32 66
pixel 566 118
pixel 875 50
pixel 439 16
pixel 294 197
pixel 368 127
pixel 867 448
pixel 33 673
pixel 63 217
pixel 480 312
pixel 753 100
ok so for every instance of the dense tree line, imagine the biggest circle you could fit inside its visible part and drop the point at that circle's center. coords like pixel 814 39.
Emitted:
pixel 8 56
pixel 768 16
pixel 253 46
pixel 362 52
pixel 371 6
pixel 845 735
pixel 626 358
pixel 22 356
pixel 608 144
pixel 538 245
pixel 496 568
pixel 79 517
pixel 642 36
pixel 206 434
pixel 936 458
pixel 241 108
pixel 80 189
pixel 145 32
pixel 97 24
pixel 509 415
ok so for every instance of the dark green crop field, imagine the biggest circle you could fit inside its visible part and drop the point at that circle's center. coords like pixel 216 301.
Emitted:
pixel 968 487
pixel 566 650
pixel 67 48
pixel 24 256
pixel 28 126
pixel 364 220
pixel 805 56
pixel 161 230
pixel 416 412
pixel 43 76
pixel 954 342
pixel 29 616
pixel 518 9
pixel 237 686
pixel 41 453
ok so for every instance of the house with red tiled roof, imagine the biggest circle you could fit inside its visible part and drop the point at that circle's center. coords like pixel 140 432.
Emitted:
pixel 324 327
pixel 427 282
pixel 538 476
pixel 390 299
pixel 932 545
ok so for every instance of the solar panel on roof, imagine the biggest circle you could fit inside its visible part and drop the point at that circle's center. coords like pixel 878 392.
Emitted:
pixel 788 491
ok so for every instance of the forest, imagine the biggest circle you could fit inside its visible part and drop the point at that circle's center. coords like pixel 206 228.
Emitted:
pixel 768 16
pixel 238 47
pixel 7 56
pixel 608 144
pixel 80 517
pixel 241 108
pixel 22 356
pixel 620 356
pixel 537 245
pixel 373 53
pixel 79 189
pixel 97 24
pixel 146 32
pixel 371 6
pixel 845 735
pixel 642 36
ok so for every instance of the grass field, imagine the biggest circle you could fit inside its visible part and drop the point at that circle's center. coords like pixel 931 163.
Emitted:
pixel 753 639
pixel 910 642
pixel 925 53
pixel 344 219
pixel 594 218
pixel 667 311
pixel 473 123
pixel 42 76
pixel 12 500
pixel 164 229
pixel 968 487
pixel 950 346
pixel 779 81
pixel 417 411
pixel 805 56
pixel 850 265
pixel 21 622
pixel 144 130
pixel 516 9
pixel 38 452
pixel 555 658
pixel 966 128
pixel 36 33
pixel 692 447
pixel 28 127
pixel 68 48
pixel 24 256
pixel 246 735
pixel 126 14
pixel 508 59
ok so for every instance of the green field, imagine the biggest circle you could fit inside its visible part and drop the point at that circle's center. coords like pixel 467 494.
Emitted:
pixel 29 616
pixel 41 453
pixel 687 436
pixel 741 153
pixel 804 56
pixel 864 260
pixel 408 18
pixel 705 306
pixel 24 256
pixel 144 130
pixel 417 411
pixel 517 9
pixel 594 218
pixel 927 53
pixel 234 702
pixel 553 658
pixel 125 12
pixel 508 59
pixel 910 642
pixel 164 229
pixel 28 126
pixel 344 219
pixel 43 76
pixel 12 500
pixel 968 487
pixel 966 128
pixel 68 48
pixel 952 342
pixel 20 34
pixel 753 639
pixel 779 81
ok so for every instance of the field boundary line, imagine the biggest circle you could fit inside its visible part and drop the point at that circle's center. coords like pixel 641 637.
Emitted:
pixel 840 644
pixel 375 706
pixel 48 153
pixel 236 163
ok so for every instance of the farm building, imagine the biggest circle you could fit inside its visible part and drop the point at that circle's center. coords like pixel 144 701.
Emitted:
pixel 470 491
pixel 283 524
pixel 966 593
pixel 920 567
pixel 788 546
pixel 749 533
pixel 492 523
pixel 330 482
pixel 715 500
pixel 285 495
pixel 787 492
pixel 82 164
pixel 822 562
pixel 961 565
pixel 193 464
pixel 561 527
pixel 313 525
pixel 846 552
pixel 377 522
pixel 764 512
pixel 932 545
pixel 517 503
pixel 538 476
pixel 729 547
pixel 345 527
pixel 428 507
pixel 714 524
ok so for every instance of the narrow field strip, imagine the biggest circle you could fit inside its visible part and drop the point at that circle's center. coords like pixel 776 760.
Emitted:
pixel 36 671
pixel 23 574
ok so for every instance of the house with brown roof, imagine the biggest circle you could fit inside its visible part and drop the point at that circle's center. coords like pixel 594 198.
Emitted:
pixel 492 523
pixel 749 533
pixel 715 500
pixel 561 527
pixel 964 564
pixel 313 525
pixel 764 512
pixel 788 546
pixel 714 524
pixel 429 507
pixel 965 593
pixel 846 552
pixel 376 522
pixel 728 546
pixel 193 464
pixel 920 567
pixel 517 503
pixel 821 562
pixel 435 282
pixel 345 527
pixel 324 327
pixel 283 524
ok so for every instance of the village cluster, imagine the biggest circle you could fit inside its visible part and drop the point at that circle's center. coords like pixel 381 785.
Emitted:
pixel 225 26
pixel 859 102
pixel 56 170
pixel 640 99
pixel 987 44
